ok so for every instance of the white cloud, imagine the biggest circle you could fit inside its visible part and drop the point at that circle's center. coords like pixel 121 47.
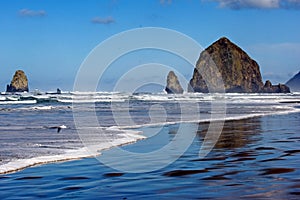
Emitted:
pixel 32 13
pixel 258 4
pixel 106 20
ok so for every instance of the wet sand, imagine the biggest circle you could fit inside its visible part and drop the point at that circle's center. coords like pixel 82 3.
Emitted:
pixel 256 158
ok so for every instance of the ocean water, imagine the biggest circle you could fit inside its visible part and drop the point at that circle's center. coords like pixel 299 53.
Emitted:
pixel 257 155
pixel 28 122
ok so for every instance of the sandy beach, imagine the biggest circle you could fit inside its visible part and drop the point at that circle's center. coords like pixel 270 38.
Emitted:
pixel 255 158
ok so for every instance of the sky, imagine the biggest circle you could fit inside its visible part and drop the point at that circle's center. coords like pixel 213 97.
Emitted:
pixel 50 39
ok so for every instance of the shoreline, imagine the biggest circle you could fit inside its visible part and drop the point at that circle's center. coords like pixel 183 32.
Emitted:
pixel 68 156
pixel 256 157
pixel 85 153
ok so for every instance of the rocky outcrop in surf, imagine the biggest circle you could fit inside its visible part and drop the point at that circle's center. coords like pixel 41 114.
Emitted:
pixel 223 60
pixel 280 88
pixel 294 83
pixel 19 83
pixel 173 85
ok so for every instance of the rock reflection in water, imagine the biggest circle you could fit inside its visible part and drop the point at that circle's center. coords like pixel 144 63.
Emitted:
pixel 235 133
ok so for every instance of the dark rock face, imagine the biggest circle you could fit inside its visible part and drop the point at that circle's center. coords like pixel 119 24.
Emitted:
pixel 294 83
pixel 19 83
pixel 239 72
pixel 280 88
pixel 223 60
pixel 173 85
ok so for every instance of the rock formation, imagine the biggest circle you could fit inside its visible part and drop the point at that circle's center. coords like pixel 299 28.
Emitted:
pixel 294 83
pixel 173 85
pixel 225 61
pixel 19 83
pixel 280 88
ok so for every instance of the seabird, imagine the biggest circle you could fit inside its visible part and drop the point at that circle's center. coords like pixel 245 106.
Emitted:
pixel 58 128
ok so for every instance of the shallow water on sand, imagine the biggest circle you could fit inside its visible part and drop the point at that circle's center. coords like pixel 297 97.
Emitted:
pixel 255 158
pixel 27 123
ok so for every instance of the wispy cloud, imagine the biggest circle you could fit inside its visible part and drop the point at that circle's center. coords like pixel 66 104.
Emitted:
pixel 258 4
pixel 106 20
pixel 32 13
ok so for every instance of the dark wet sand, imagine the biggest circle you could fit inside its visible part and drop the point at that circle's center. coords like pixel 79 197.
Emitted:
pixel 257 158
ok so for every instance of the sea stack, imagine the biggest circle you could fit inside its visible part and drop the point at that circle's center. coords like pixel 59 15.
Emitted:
pixel 280 88
pixel 19 83
pixel 173 85
pixel 294 83
pixel 239 72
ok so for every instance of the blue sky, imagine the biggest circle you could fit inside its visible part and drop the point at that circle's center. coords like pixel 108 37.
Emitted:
pixel 50 39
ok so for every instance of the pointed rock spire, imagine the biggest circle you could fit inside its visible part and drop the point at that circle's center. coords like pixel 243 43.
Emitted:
pixel 173 85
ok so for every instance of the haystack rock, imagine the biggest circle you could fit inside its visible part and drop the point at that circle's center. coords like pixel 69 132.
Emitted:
pixel 239 72
pixel 173 85
pixel 294 83
pixel 19 83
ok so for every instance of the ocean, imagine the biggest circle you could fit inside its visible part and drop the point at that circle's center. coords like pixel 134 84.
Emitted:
pixel 122 145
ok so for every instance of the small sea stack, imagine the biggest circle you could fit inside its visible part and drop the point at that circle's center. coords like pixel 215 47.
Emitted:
pixel 173 85
pixel 19 83
pixel 280 88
